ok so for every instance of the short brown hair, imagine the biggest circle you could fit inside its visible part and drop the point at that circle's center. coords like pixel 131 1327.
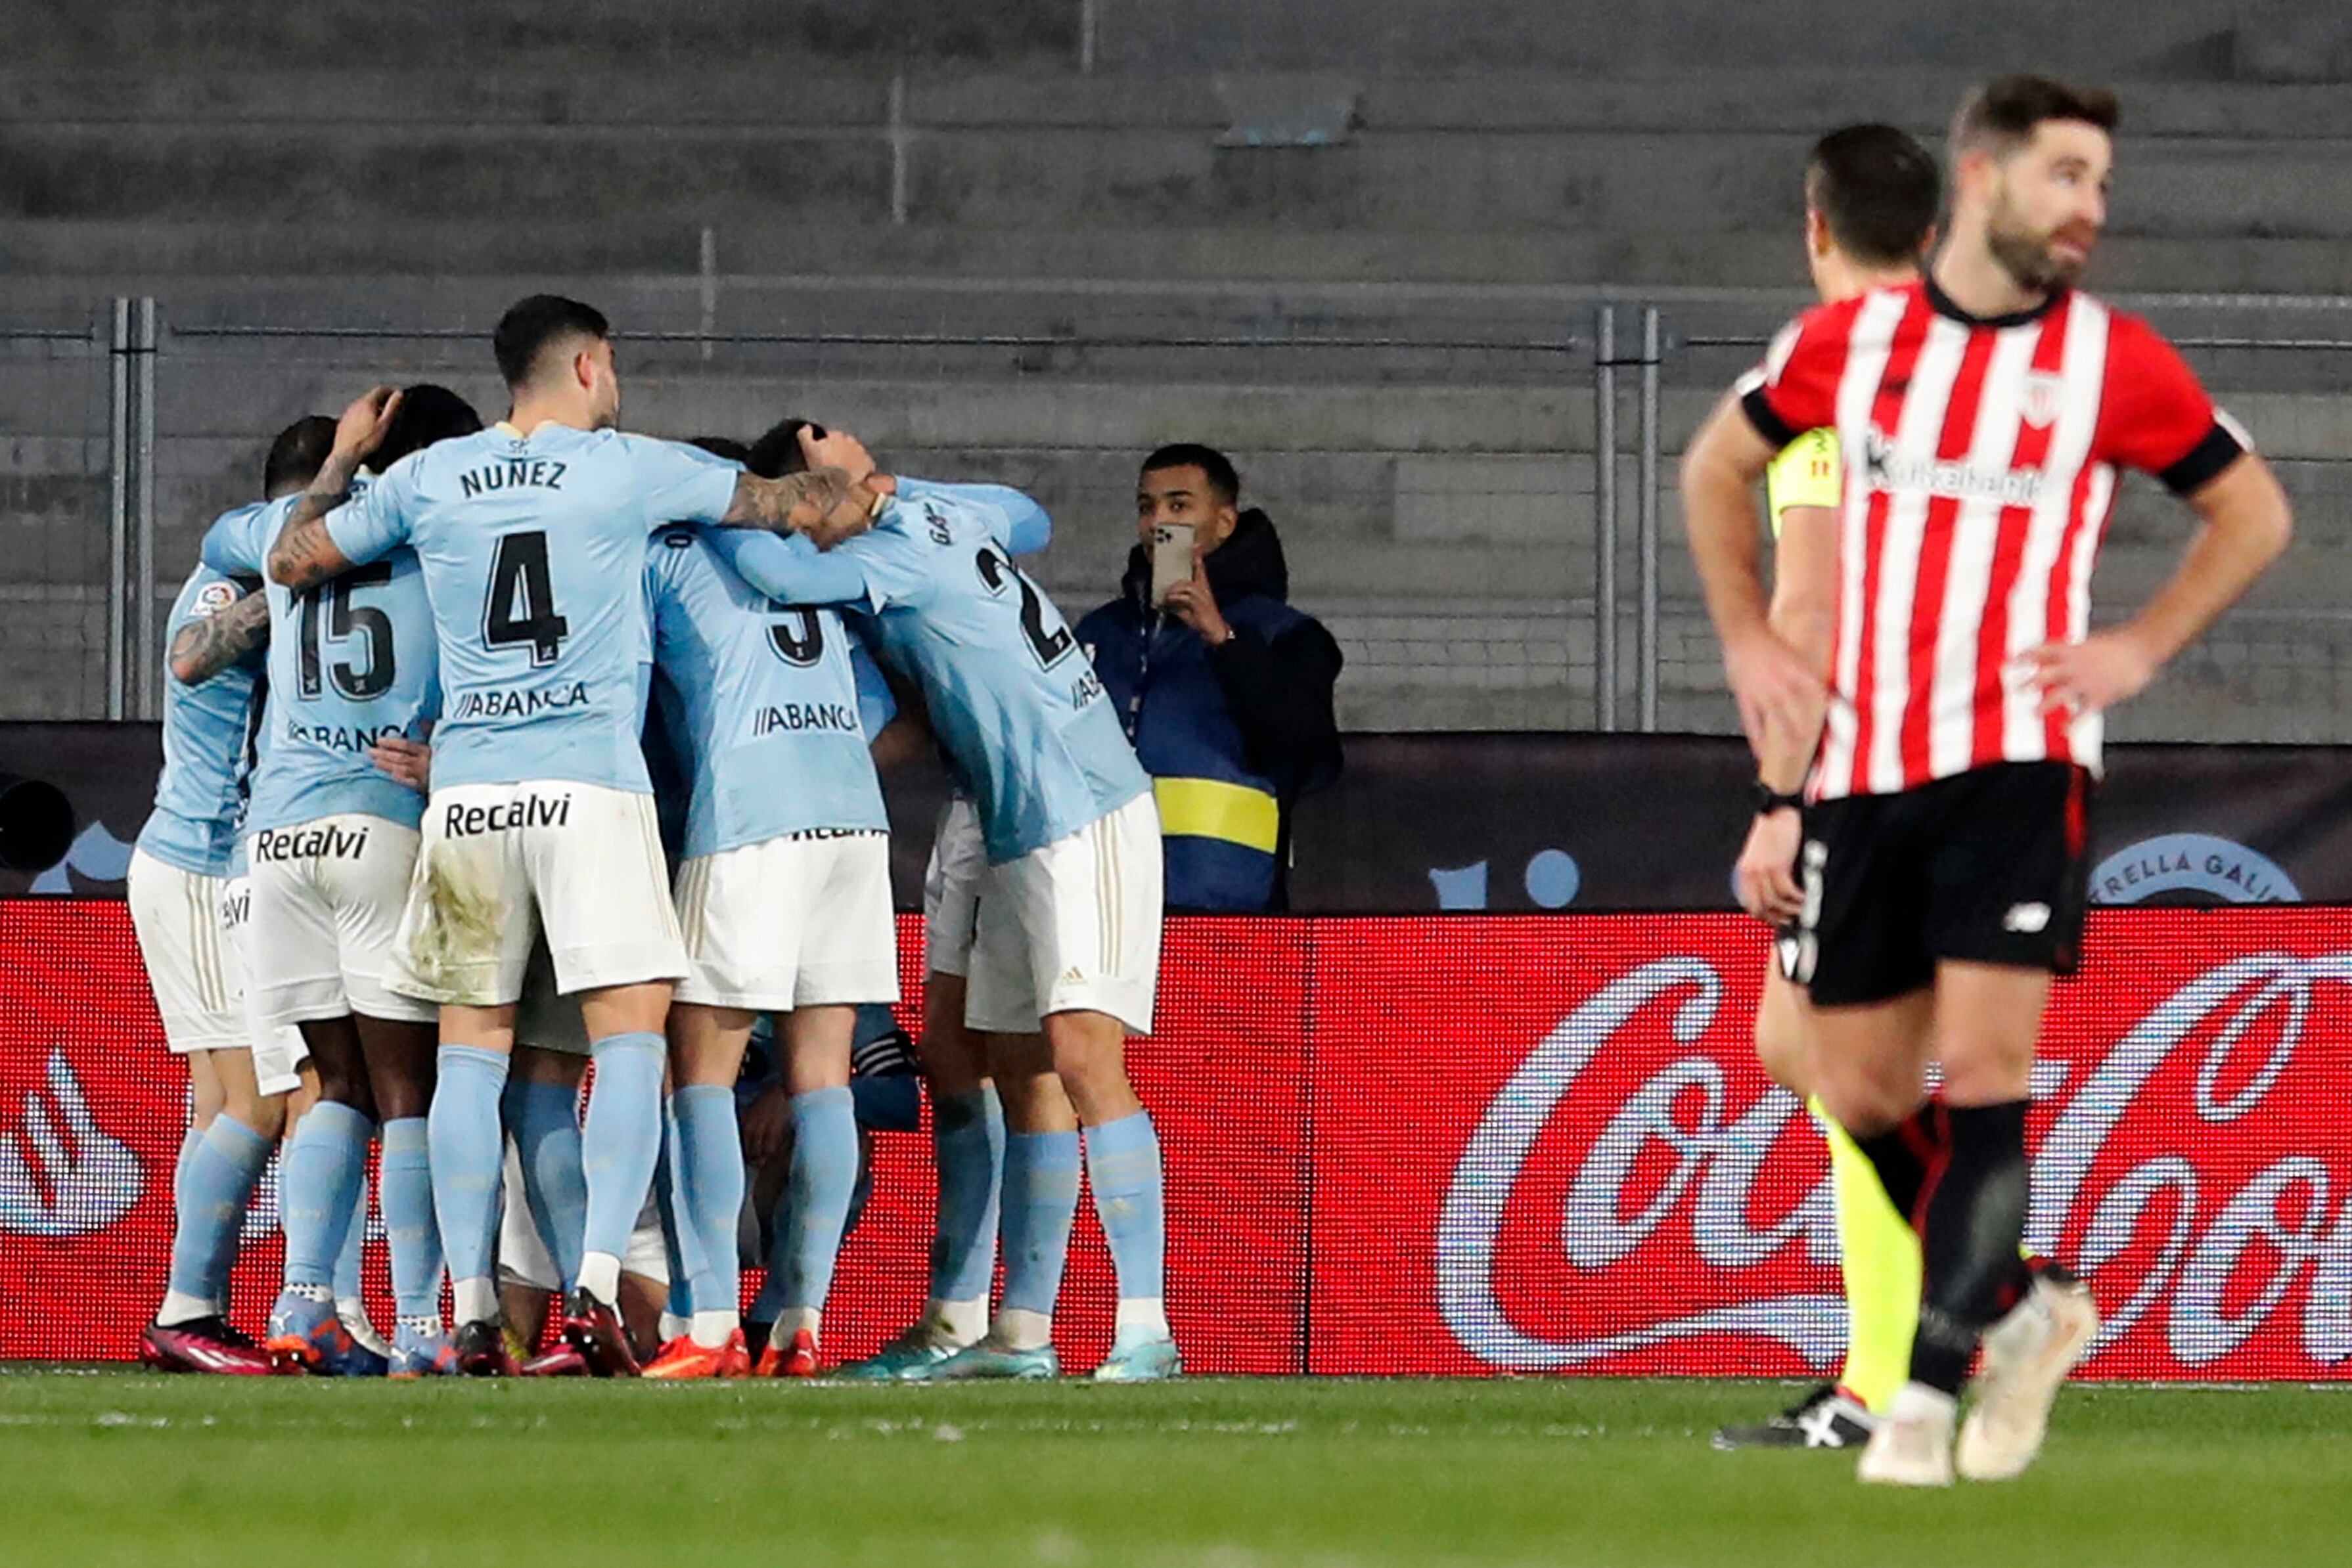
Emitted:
pixel 1877 190
pixel 2001 115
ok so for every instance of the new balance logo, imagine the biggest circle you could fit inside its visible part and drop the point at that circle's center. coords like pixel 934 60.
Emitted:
pixel 2026 919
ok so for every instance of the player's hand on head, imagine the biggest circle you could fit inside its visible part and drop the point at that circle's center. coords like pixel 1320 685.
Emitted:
pixel 1766 874
pixel 2092 676
pixel 837 449
pixel 1781 696
pixel 363 425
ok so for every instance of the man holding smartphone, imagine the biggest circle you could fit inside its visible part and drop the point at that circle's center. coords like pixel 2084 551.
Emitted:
pixel 1223 687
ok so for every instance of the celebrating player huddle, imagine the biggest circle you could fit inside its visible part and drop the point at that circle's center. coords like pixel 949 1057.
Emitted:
pixel 1923 692
pixel 524 594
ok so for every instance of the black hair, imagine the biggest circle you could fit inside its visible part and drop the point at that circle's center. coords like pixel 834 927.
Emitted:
pixel 427 414
pixel 722 447
pixel 532 326
pixel 298 455
pixel 1877 190
pixel 2002 113
pixel 778 452
pixel 1223 480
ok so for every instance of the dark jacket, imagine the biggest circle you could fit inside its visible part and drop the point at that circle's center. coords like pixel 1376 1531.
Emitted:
pixel 1231 736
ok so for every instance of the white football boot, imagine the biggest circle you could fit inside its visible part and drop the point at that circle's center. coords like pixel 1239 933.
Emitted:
pixel 2027 1356
pixel 1913 1444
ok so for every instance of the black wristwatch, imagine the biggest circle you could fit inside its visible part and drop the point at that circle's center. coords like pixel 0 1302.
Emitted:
pixel 1769 800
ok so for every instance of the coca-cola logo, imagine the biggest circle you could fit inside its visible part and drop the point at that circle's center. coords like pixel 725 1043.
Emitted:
pixel 2173 1173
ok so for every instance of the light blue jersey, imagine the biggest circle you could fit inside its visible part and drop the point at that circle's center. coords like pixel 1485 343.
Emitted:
pixel 1010 694
pixel 877 704
pixel 350 660
pixel 200 797
pixel 534 555
pixel 762 700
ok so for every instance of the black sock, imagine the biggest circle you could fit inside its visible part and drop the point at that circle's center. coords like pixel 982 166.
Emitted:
pixel 1904 1155
pixel 1974 1220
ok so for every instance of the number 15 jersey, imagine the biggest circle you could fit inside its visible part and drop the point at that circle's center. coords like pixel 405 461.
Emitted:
pixel 533 549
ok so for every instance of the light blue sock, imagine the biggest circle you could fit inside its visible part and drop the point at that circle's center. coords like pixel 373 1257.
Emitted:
pixel 324 1166
pixel 1123 1167
pixel 466 1150
pixel 545 1121
pixel 217 1171
pixel 709 1192
pixel 352 1260
pixel 968 1147
pixel 1040 1200
pixel 824 1178
pixel 680 1248
pixel 404 1185
pixel 619 1148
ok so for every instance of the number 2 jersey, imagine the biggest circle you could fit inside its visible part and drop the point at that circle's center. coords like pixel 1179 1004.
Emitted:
pixel 533 550
pixel 351 662
pixel 1010 694
pixel 759 699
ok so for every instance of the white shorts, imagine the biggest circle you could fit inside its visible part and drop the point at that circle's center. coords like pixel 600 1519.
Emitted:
pixel 1072 926
pixel 951 889
pixel 797 921
pixel 524 1256
pixel 191 931
pixel 501 863
pixel 328 896
pixel 278 1048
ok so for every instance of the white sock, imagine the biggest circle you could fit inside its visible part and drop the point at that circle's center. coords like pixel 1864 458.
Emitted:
pixel 1917 1402
pixel 1146 1318
pixel 600 1276
pixel 963 1322
pixel 424 1326
pixel 323 1294
pixel 795 1319
pixel 181 1308
pixel 476 1300
pixel 1019 1329
pixel 712 1330
pixel 675 1327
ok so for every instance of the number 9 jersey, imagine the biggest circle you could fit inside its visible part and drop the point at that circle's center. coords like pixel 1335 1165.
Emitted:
pixel 533 549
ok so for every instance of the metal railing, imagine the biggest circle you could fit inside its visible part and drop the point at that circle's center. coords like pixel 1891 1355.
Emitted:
pixel 1473 488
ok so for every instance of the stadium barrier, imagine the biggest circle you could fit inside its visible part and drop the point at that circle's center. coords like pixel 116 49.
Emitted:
pixel 1506 823
pixel 1469 1144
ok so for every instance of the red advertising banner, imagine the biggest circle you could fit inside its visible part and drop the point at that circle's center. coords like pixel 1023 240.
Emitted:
pixel 1445 1145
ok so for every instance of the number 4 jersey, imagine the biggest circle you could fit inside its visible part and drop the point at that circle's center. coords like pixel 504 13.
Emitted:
pixel 351 662
pixel 533 549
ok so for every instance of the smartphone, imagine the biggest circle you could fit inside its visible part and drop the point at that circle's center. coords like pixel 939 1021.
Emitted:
pixel 1171 559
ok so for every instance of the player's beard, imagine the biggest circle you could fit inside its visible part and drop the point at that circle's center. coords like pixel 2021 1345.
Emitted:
pixel 2028 257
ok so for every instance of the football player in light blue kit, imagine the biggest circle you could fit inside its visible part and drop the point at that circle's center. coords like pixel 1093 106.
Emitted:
pixel 333 840
pixel 532 539
pixel 1069 909
pixel 180 869
pixel 783 892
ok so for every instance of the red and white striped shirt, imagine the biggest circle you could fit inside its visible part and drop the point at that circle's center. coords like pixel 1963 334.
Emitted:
pixel 1980 459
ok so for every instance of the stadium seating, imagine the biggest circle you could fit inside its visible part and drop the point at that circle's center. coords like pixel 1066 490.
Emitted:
pixel 897 171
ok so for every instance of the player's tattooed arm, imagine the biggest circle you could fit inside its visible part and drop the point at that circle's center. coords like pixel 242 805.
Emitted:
pixel 823 503
pixel 304 554
pixel 204 648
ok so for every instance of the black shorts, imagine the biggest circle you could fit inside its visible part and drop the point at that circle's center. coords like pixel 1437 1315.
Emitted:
pixel 1987 867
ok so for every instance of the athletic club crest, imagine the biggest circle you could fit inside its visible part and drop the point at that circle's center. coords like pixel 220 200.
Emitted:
pixel 2042 391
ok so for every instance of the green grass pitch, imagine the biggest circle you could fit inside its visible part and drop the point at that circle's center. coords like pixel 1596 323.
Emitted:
pixel 109 1467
